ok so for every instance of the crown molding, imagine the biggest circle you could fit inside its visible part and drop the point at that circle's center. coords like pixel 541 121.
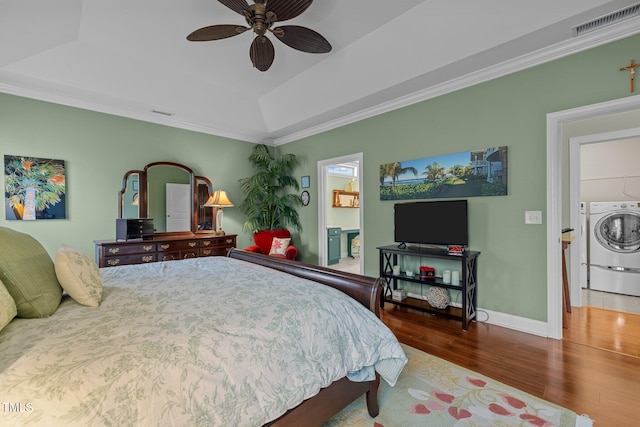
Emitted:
pixel 587 41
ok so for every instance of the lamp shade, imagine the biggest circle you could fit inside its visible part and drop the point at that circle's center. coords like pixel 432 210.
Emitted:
pixel 219 199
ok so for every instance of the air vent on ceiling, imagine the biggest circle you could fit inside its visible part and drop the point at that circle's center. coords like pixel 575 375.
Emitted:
pixel 605 20
pixel 164 113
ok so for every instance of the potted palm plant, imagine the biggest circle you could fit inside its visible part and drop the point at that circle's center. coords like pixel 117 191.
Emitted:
pixel 268 203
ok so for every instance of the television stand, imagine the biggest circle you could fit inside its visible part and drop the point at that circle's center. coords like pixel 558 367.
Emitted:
pixel 424 249
pixel 468 281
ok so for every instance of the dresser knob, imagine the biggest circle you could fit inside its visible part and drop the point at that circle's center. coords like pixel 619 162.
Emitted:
pixel 114 250
pixel 113 262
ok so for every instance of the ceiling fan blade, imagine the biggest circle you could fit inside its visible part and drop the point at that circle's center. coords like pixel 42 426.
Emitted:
pixel 238 6
pixel 302 38
pixel 216 32
pixel 287 9
pixel 262 53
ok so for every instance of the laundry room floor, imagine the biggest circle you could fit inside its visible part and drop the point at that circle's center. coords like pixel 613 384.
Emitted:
pixel 611 301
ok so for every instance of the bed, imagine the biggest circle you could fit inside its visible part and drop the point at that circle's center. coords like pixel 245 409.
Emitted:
pixel 241 340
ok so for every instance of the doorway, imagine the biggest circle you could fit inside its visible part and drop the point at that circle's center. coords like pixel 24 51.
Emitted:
pixel 344 222
pixel 555 123
pixel 603 169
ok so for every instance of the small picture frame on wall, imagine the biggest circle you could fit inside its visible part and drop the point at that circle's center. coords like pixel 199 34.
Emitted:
pixel 305 181
pixel 135 185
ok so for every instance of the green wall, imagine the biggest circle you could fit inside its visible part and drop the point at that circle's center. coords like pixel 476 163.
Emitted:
pixel 99 148
pixel 507 111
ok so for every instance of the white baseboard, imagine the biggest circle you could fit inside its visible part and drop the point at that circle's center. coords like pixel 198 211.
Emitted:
pixel 522 324
pixel 517 323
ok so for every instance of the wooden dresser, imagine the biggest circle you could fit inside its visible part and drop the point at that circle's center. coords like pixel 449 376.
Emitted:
pixel 110 253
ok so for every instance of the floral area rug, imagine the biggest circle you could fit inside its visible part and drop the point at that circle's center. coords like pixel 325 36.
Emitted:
pixel 433 392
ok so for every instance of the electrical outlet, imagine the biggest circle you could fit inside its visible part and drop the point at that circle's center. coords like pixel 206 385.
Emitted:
pixel 533 217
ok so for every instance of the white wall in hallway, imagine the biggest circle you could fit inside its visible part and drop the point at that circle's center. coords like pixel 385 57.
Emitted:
pixel 610 171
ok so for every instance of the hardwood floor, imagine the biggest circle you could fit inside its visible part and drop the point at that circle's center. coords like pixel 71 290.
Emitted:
pixel 596 374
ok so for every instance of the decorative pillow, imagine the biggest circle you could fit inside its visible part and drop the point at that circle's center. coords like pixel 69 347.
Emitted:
pixel 279 246
pixel 7 307
pixel 28 273
pixel 79 276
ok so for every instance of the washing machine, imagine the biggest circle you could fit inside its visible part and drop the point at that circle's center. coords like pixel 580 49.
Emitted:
pixel 614 262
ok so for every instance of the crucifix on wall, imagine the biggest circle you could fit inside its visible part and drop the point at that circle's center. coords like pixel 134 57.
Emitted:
pixel 631 68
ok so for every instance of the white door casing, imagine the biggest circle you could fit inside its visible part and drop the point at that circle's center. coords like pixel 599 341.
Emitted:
pixel 554 197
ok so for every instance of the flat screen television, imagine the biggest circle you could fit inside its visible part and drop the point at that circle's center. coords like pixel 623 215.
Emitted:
pixel 432 223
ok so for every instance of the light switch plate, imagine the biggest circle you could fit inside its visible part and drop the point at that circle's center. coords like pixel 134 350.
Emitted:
pixel 533 217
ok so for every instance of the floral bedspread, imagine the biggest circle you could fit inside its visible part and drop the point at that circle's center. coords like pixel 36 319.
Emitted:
pixel 207 341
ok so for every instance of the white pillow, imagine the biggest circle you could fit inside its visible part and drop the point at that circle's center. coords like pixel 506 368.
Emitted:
pixel 8 308
pixel 79 276
pixel 279 246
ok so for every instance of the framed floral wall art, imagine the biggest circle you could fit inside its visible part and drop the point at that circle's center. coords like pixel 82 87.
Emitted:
pixel 34 188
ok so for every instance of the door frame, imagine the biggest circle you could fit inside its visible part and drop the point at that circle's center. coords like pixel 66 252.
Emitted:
pixel 323 205
pixel 554 197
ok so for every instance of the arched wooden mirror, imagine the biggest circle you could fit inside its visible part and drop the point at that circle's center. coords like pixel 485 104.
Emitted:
pixel 169 193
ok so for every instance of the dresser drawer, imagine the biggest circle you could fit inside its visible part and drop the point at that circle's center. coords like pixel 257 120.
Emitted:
pixel 168 256
pixel 130 249
pixel 176 255
pixel 207 252
pixel 114 261
pixel 178 245
pixel 215 251
pixel 225 241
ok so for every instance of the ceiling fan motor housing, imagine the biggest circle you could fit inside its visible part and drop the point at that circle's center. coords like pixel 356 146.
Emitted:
pixel 258 19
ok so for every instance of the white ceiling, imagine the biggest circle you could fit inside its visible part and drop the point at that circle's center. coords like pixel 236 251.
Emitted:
pixel 130 57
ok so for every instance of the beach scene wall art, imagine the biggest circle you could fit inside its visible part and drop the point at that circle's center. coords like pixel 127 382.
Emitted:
pixel 472 173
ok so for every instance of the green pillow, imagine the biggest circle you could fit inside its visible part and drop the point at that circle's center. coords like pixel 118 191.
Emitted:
pixel 7 307
pixel 29 275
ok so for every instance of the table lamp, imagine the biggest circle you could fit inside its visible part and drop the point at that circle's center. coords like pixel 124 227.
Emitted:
pixel 218 201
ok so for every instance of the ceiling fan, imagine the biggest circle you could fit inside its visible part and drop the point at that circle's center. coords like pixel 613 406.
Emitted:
pixel 260 17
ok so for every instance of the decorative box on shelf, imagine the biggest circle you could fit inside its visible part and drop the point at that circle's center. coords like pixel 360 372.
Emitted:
pixel 427 273
pixel 134 228
pixel 399 295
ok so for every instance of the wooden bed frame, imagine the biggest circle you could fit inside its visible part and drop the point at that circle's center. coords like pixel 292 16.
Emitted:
pixel 332 399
